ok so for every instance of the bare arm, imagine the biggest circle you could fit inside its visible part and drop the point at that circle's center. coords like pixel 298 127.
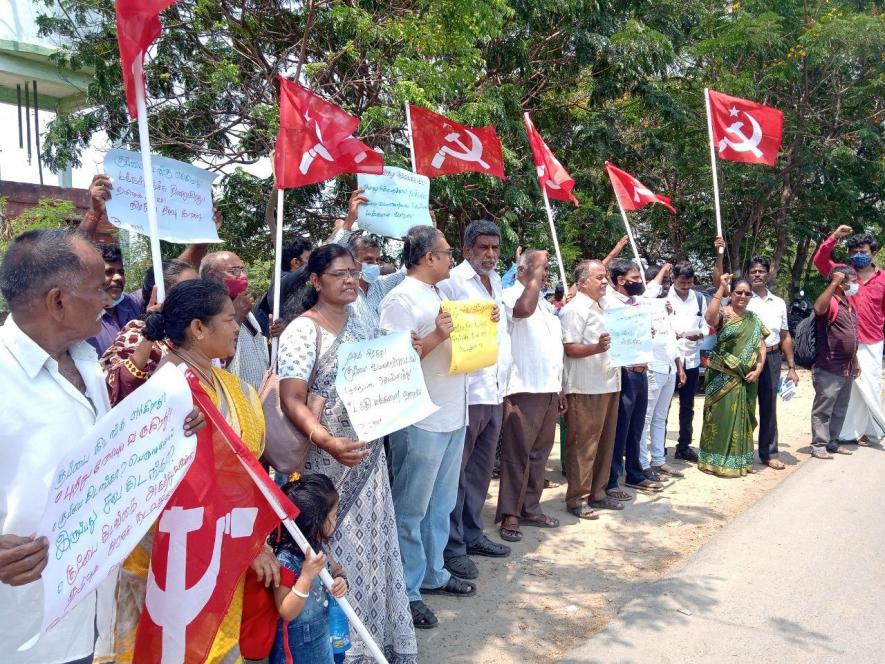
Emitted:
pixel 719 265
pixel 99 192
pixel 616 251
pixel 822 303
pixel 712 315
pixel 527 303
pixel 578 351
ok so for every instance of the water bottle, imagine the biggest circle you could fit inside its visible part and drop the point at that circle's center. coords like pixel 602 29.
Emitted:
pixel 339 629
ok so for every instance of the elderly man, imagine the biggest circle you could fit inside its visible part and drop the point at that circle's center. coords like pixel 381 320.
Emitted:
pixel 53 392
pixel 475 279
pixel 591 388
pixel 252 359
pixel 426 456
pixel 533 398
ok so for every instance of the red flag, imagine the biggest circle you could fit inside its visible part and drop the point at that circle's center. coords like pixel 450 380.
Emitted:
pixel 744 130
pixel 138 25
pixel 316 142
pixel 444 147
pixel 207 536
pixel 552 177
pixel 631 193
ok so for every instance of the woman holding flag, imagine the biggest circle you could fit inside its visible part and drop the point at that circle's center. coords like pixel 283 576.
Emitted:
pixel 365 542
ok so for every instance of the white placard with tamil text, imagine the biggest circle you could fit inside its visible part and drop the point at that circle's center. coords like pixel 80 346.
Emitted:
pixel 398 199
pixel 107 493
pixel 183 194
pixel 631 339
pixel 382 386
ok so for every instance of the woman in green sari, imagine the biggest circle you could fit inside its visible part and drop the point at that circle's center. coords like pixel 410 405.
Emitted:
pixel 730 394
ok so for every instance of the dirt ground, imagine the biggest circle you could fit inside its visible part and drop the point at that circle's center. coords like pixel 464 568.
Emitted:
pixel 561 585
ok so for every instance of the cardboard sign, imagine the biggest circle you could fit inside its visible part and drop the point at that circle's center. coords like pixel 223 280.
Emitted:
pixel 183 195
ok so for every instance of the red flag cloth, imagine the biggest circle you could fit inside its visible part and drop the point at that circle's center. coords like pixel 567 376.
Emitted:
pixel 315 141
pixel 552 177
pixel 444 147
pixel 631 192
pixel 208 534
pixel 138 25
pixel 744 130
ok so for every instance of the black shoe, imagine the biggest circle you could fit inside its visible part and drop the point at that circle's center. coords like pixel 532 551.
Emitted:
pixel 422 617
pixel 454 586
pixel 462 567
pixel 488 548
pixel 688 454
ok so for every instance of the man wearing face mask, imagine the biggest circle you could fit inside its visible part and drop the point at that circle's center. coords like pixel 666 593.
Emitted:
pixel 475 279
pixel 628 287
pixel 252 359
pixel 864 422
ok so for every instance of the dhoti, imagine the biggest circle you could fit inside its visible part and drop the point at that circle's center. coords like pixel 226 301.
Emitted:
pixel 864 417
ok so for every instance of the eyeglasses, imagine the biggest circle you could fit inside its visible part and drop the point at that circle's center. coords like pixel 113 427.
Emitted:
pixel 342 275
pixel 742 293
pixel 237 271
pixel 447 252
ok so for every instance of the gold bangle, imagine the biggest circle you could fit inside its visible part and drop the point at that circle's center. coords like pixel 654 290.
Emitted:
pixel 135 371
pixel 314 430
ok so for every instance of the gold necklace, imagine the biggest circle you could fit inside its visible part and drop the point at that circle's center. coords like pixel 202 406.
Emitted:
pixel 208 379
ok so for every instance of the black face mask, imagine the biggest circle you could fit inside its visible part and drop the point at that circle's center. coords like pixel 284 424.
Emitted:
pixel 634 288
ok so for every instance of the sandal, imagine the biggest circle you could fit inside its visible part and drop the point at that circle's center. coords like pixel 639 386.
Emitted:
pixel 509 533
pixel 775 464
pixel 821 454
pixel 863 442
pixel 583 511
pixel 454 586
pixel 646 486
pixel 617 494
pixel 422 617
pixel 550 484
pixel 842 450
pixel 607 503
pixel 542 521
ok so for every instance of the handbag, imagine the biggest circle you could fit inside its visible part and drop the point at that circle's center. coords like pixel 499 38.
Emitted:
pixel 286 446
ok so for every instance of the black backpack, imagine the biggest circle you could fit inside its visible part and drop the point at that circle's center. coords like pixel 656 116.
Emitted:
pixel 805 342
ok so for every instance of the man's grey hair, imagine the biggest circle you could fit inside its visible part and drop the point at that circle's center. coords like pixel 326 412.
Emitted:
pixel 209 267
pixel 528 255
pixel 37 261
pixel 582 269
pixel 360 241
pixel 418 241
pixel 477 228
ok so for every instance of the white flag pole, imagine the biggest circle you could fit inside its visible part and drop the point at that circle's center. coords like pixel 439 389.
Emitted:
pixel 411 137
pixel 326 578
pixel 144 140
pixel 555 240
pixel 630 237
pixel 277 274
pixel 713 166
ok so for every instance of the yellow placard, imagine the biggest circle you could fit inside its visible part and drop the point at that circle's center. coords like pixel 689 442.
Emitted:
pixel 474 337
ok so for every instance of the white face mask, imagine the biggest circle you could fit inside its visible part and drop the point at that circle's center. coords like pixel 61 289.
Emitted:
pixel 852 289
pixel 371 272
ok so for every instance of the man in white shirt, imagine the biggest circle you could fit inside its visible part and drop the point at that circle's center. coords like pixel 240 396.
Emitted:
pixel 426 457
pixel 475 279
pixel 591 389
pixel 689 307
pixel 533 399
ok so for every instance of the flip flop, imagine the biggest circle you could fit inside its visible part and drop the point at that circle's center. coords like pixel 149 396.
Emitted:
pixel 776 464
pixel 583 511
pixel 542 521
pixel 842 450
pixel 607 503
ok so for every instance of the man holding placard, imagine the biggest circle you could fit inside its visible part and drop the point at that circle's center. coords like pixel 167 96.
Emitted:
pixel 425 457
pixel 473 280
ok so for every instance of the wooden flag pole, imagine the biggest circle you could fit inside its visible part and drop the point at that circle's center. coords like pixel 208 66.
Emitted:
pixel 630 237
pixel 411 138
pixel 277 274
pixel 144 140
pixel 555 240
pixel 713 167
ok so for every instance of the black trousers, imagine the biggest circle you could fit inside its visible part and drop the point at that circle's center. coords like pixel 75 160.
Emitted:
pixel 686 407
pixel 768 380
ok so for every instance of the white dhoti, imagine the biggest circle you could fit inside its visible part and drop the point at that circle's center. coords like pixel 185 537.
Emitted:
pixel 864 417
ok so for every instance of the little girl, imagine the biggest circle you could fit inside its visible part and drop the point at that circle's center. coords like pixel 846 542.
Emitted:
pixel 303 630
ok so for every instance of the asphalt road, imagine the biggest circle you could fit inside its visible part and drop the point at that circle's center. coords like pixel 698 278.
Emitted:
pixel 799 577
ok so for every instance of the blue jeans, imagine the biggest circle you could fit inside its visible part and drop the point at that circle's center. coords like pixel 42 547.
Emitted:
pixel 426 467
pixel 631 422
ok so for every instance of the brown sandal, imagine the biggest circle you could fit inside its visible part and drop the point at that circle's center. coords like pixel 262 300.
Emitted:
pixel 510 533
pixel 542 521
pixel 775 464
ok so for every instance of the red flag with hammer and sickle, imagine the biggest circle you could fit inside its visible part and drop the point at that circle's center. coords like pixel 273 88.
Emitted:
pixel 631 193
pixel 744 130
pixel 208 534
pixel 138 25
pixel 444 147
pixel 315 141
pixel 552 177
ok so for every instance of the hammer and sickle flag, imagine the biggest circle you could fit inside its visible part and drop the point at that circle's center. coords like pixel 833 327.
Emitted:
pixel 315 141
pixel 744 130
pixel 209 533
pixel 552 177
pixel 444 147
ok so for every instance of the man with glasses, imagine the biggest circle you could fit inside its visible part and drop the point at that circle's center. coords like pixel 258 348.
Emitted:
pixel 426 457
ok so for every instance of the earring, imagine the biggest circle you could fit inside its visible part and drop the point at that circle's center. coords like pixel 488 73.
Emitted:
pixel 200 338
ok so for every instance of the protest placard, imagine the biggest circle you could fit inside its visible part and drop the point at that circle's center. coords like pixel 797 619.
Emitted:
pixel 382 386
pixel 106 494
pixel 398 199
pixel 475 335
pixel 183 194
pixel 631 339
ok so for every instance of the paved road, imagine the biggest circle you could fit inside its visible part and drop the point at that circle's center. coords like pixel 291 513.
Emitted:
pixel 799 577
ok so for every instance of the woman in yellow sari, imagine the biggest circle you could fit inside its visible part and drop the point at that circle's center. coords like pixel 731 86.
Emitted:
pixel 198 322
